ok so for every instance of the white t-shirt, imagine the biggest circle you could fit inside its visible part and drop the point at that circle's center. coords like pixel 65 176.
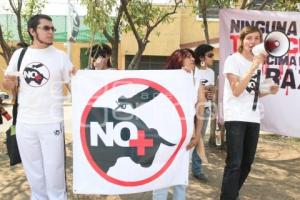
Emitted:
pixel 43 73
pixel 205 77
pixel 239 108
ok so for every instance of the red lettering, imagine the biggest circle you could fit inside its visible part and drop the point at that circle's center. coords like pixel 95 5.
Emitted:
pixel 235 39
pixel 293 46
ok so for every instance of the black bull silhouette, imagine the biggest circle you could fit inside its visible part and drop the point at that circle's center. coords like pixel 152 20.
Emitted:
pixel 106 157
pixel 32 74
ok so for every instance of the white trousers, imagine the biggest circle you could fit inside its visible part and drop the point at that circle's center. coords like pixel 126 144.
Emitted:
pixel 42 152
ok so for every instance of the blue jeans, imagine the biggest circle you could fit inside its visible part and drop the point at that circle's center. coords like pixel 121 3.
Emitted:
pixel 196 160
pixel 162 194
pixel 242 138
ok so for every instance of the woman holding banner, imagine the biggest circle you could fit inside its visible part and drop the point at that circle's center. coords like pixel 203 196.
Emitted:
pixel 241 113
pixel 185 59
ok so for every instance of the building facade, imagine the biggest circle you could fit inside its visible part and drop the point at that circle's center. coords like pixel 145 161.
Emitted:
pixel 185 31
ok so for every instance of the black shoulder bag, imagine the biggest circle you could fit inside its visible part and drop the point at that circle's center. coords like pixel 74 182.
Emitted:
pixel 11 140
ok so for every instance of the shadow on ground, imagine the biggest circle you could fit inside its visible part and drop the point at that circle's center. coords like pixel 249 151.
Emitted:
pixel 275 175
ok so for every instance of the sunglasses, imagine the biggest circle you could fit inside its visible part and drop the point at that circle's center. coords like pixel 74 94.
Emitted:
pixel 47 28
pixel 210 55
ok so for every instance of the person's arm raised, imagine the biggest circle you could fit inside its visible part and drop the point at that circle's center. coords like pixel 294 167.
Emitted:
pixel 239 84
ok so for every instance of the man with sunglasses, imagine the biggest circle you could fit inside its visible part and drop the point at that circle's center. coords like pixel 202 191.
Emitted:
pixel 44 71
pixel 206 76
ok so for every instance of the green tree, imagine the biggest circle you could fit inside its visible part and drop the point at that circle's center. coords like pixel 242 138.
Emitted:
pixel 22 14
pixel 100 20
pixel 31 8
pixel 6 53
pixel 285 5
pixel 202 7
pixel 273 5
pixel 139 16
pixel 143 18
pixel 6 49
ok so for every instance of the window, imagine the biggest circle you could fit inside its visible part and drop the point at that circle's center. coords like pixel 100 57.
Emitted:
pixel 148 62
pixel 212 12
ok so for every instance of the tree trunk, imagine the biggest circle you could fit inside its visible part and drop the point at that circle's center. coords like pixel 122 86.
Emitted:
pixel 17 8
pixel 114 56
pixel 116 33
pixel 243 4
pixel 135 62
pixel 203 9
pixel 114 41
pixel 6 50
pixel 19 27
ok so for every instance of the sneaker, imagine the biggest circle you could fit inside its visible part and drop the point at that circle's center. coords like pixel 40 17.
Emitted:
pixel 201 177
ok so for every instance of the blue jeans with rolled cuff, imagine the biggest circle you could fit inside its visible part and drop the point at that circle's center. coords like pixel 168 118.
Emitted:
pixel 162 194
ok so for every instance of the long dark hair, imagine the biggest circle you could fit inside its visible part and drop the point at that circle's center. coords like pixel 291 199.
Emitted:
pixel 102 50
pixel 200 52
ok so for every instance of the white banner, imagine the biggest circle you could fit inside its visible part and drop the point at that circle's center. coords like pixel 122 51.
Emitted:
pixel 130 130
pixel 280 112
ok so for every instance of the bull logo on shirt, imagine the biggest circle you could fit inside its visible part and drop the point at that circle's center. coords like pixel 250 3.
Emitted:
pixel 204 81
pixel 36 74
pixel 252 85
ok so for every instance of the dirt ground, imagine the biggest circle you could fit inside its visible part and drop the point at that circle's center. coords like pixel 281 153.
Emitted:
pixel 275 174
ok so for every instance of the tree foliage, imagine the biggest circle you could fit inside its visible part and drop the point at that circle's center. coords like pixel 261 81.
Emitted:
pixel 272 5
pixel 139 16
pixel 101 15
pixel 33 7
pixel 202 7
pixel 285 5
pixel 143 18
pixel 22 15
pixel 16 7
pixel 6 50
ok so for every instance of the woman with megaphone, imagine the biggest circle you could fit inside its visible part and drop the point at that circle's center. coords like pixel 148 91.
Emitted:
pixel 241 115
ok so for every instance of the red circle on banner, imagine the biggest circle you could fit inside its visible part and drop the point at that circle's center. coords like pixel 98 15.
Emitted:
pixel 108 87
